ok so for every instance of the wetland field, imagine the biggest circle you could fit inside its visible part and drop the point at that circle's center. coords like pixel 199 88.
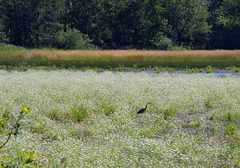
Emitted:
pixel 88 119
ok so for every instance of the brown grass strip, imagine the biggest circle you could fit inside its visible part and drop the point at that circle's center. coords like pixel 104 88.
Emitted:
pixel 120 54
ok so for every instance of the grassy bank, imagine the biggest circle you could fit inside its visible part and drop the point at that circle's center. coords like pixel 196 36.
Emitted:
pixel 121 58
pixel 90 119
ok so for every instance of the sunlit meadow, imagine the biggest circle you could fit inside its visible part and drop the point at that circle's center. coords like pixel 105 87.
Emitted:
pixel 89 118
pixel 108 59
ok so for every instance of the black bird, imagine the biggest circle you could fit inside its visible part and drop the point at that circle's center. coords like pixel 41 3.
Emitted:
pixel 143 109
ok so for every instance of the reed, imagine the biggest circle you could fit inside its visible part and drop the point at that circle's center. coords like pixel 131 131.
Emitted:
pixel 127 58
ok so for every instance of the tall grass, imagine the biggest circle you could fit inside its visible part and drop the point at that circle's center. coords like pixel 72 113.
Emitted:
pixel 9 47
pixel 88 119
pixel 126 58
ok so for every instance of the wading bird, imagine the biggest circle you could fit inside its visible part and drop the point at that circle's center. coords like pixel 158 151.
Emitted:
pixel 143 109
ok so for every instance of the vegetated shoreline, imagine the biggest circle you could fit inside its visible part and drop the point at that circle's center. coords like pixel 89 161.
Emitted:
pixel 120 59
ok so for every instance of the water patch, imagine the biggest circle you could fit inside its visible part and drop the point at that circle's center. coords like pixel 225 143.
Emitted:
pixel 219 73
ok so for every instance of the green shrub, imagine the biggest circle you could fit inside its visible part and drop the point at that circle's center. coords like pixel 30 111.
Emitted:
pixel 228 116
pixel 162 42
pixel 235 69
pixel 200 70
pixel 54 114
pixel 25 68
pixel 10 47
pixel 178 48
pixel 190 70
pixel 135 66
pixel 21 159
pixel 229 68
pixel 230 129
pixel 209 69
pixel 195 123
pixel 11 125
pixel 74 39
pixel 79 113
pixel 171 69
pixel 4 68
pixel 161 69
pixel 169 112
pixel 108 109
pixel 209 102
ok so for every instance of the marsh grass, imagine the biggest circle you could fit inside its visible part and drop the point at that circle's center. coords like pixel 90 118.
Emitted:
pixel 89 118
pixel 79 113
pixel 169 112
pixel 121 58
pixel 108 109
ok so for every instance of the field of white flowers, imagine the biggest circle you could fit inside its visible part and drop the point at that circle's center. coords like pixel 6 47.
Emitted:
pixel 89 118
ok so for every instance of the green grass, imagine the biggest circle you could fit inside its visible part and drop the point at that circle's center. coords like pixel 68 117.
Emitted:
pixel 88 119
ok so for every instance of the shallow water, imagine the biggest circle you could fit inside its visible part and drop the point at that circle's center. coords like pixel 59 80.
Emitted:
pixel 220 73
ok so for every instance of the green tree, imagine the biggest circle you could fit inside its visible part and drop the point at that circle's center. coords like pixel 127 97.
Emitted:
pixel 2 34
pixel 117 23
pixel 47 25
pixel 85 16
pixel 31 23
pixel 226 25
pixel 70 24
pixel 137 22
pixel 14 14
pixel 186 21
pixel 130 25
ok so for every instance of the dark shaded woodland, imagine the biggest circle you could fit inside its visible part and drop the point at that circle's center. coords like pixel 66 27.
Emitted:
pixel 121 24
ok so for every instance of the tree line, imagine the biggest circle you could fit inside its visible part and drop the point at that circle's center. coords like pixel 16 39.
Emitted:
pixel 121 24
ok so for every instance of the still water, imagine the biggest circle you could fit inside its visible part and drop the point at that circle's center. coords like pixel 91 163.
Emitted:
pixel 220 73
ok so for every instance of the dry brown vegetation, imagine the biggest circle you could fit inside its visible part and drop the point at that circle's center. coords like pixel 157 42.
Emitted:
pixel 127 58
pixel 78 54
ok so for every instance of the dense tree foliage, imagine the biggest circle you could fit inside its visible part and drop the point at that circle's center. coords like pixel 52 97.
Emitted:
pixel 226 25
pixel 187 21
pixel 121 24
